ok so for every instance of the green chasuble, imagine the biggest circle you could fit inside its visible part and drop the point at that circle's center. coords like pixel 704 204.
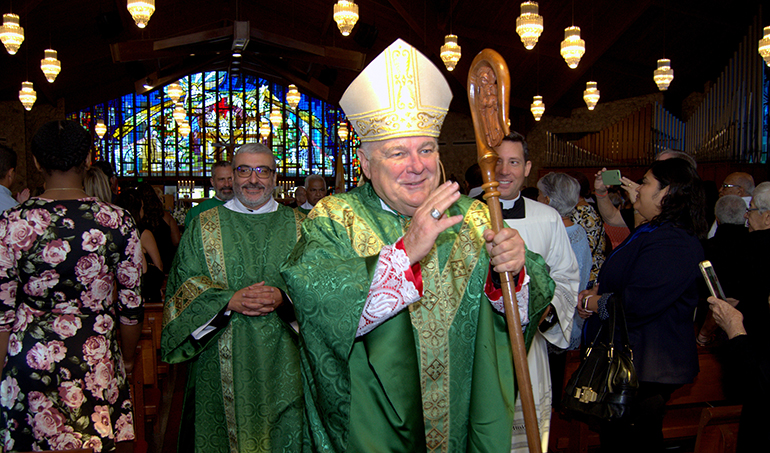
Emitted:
pixel 244 390
pixel 203 206
pixel 436 377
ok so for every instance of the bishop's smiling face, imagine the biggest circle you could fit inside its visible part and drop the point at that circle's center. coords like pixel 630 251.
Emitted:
pixel 511 169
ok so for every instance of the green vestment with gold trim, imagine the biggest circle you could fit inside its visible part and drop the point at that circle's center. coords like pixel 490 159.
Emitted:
pixel 436 377
pixel 244 391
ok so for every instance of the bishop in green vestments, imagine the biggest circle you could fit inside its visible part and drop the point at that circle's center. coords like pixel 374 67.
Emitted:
pixel 402 348
pixel 223 316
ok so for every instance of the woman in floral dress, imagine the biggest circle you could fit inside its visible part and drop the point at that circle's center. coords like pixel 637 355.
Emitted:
pixel 62 257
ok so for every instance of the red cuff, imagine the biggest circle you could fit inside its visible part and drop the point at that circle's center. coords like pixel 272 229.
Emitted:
pixel 494 293
pixel 414 273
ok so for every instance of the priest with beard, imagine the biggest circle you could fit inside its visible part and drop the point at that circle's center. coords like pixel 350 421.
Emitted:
pixel 228 317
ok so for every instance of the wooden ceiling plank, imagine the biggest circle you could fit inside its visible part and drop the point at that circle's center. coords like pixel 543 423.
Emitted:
pixel 194 38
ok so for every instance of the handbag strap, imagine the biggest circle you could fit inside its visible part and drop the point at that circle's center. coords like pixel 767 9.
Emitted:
pixel 618 316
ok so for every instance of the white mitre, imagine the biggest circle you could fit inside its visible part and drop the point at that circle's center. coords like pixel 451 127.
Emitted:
pixel 399 94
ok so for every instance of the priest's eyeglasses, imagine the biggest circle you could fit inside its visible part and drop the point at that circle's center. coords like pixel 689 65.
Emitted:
pixel 244 171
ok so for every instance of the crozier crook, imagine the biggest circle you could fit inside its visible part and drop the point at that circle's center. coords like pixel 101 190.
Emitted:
pixel 488 92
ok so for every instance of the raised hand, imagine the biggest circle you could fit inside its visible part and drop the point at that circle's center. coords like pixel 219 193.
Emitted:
pixel 425 228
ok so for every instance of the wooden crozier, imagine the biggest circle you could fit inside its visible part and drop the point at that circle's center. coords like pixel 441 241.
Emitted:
pixel 488 92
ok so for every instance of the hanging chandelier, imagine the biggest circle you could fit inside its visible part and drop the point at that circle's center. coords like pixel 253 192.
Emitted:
pixel 276 118
pixel 264 128
pixel 293 96
pixel 529 25
pixel 27 95
pixel 343 131
pixel 141 11
pixel 572 48
pixel 664 74
pixel 179 114
pixel 450 52
pixel 764 46
pixel 346 15
pixel 11 34
pixel 591 95
pixel 184 129
pixel 50 65
pixel 100 129
pixel 537 107
pixel 175 92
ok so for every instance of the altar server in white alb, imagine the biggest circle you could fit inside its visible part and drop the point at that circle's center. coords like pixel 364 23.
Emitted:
pixel 544 233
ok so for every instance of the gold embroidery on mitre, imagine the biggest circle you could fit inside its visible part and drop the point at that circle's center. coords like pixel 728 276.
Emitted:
pixel 399 94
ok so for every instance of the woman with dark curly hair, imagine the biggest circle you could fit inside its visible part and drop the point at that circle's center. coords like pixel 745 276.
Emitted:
pixel 62 257
pixel 655 273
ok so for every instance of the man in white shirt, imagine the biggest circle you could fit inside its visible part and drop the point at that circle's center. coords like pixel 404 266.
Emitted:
pixel 738 183
pixel 544 233
pixel 315 185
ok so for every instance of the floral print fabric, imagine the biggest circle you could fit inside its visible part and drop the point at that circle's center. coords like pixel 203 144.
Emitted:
pixel 64 384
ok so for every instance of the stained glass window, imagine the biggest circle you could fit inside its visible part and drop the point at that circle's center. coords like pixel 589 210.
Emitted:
pixel 224 111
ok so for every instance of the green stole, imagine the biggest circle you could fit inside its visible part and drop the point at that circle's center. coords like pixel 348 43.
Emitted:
pixel 436 377
pixel 244 389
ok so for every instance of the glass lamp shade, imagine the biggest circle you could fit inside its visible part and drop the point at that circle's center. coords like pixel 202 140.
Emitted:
pixel 764 46
pixel 175 92
pixel 27 95
pixel 346 16
pixel 664 74
pixel 529 25
pixel 591 95
pixel 293 96
pixel 450 52
pixel 572 48
pixel 100 129
pixel 50 65
pixel 141 11
pixel 184 129
pixel 264 128
pixel 537 107
pixel 11 33
pixel 179 114
pixel 343 131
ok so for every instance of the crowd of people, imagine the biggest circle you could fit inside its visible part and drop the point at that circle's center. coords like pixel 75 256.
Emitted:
pixel 372 320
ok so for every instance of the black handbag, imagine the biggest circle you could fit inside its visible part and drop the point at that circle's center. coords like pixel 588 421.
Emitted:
pixel 605 384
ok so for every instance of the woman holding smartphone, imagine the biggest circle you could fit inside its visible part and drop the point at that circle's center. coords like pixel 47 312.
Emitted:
pixel 655 273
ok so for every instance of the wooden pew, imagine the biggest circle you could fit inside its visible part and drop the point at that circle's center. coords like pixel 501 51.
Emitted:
pixel 718 430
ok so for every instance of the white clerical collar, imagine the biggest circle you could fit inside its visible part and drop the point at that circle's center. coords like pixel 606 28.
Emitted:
pixel 306 205
pixel 508 204
pixel 235 205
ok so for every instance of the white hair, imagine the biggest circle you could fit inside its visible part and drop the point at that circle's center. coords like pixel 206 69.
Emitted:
pixel 730 210
pixel 762 196
pixel 255 148
pixel 563 191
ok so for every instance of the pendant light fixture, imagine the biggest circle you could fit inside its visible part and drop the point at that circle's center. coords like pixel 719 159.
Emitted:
pixel 450 52
pixel 11 34
pixel 293 96
pixel 141 11
pixel 572 48
pixel 175 92
pixel 276 118
pixel 27 95
pixel 264 128
pixel 50 65
pixel 764 46
pixel 346 15
pixel 537 107
pixel 179 114
pixel 529 25
pixel 664 74
pixel 591 95
pixel 184 129
pixel 342 131
pixel 100 129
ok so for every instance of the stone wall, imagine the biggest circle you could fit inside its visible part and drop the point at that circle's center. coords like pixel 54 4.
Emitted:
pixel 17 127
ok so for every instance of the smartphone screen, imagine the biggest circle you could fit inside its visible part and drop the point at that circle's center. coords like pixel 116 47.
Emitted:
pixel 611 178
pixel 711 279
